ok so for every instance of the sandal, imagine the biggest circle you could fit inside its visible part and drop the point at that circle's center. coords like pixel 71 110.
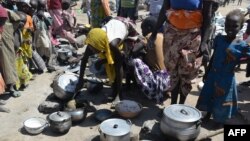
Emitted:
pixel 15 93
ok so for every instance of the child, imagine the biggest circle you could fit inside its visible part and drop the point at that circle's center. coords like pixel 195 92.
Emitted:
pixel 150 72
pixel 23 53
pixel 219 94
pixel 42 22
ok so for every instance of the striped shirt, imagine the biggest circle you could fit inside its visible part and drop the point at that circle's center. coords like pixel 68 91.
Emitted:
pixel 128 3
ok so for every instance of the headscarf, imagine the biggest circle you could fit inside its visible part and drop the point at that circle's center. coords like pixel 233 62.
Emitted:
pixel 98 39
pixel 3 14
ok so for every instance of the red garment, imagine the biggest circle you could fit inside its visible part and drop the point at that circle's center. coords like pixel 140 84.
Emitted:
pixel 3 14
pixel 55 4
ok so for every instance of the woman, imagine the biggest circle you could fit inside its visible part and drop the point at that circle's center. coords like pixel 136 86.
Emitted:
pixel 7 51
pixel 185 39
pixel 55 10
pixel 3 18
pixel 106 41
pixel 99 10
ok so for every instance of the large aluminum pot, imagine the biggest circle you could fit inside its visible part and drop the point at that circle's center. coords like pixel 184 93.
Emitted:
pixel 115 130
pixel 181 122
pixel 60 122
pixel 64 85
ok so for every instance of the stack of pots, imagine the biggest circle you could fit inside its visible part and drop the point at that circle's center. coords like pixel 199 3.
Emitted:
pixel 181 122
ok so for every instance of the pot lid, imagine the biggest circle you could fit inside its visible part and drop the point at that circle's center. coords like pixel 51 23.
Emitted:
pixel 115 127
pixel 63 50
pixel 68 82
pixel 182 113
pixel 59 116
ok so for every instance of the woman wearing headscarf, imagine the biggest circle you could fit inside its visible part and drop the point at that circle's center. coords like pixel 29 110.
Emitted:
pixel 106 42
pixel 185 40
pixel 55 10
pixel 7 51
pixel 3 18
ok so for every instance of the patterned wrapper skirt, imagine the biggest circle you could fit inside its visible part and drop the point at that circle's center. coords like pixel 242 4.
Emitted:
pixel 154 84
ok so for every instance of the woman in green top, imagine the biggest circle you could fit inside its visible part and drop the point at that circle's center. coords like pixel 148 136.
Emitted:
pixel 99 10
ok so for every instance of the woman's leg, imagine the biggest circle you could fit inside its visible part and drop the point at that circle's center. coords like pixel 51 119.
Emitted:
pixel 175 93
pixel 182 98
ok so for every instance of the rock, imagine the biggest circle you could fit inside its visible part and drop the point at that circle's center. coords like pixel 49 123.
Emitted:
pixel 151 131
pixel 2 102
pixel 48 107
pixel 3 109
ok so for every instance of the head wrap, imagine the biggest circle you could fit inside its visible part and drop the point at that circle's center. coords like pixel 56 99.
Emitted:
pixel 98 39
pixel 3 14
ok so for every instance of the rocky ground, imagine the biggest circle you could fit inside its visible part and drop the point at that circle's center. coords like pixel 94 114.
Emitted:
pixel 26 106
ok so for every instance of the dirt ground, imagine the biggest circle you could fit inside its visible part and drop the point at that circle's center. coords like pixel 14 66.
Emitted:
pixel 26 106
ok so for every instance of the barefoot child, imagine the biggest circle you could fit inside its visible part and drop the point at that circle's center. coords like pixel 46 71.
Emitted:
pixel 219 94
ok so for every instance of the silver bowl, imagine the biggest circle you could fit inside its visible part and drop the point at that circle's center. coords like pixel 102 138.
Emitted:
pixel 35 125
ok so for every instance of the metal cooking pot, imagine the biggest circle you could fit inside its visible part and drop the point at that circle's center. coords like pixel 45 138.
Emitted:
pixel 115 130
pixel 64 85
pixel 60 122
pixel 181 122
pixel 64 54
pixel 77 115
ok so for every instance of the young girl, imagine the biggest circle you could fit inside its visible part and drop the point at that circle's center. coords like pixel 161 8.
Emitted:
pixel 219 94
pixel 42 22
pixel 23 53
pixel 150 71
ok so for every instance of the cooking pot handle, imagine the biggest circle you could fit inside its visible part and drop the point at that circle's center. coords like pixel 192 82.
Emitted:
pixel 104 135
pixel 183 111
pixel 129 122
pixel 198 123
pixel 99 130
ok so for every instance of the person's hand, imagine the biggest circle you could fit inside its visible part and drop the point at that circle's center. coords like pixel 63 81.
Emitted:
pixel 204 77
pixel 204 51
pixel 99 64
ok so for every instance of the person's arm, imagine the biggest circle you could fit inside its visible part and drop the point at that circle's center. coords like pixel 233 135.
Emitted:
pixel 161 19
pixel 136 9
pixel 117 85
pixel 158 50
pixel 105 5
pixel 88 52
pixel 207 12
